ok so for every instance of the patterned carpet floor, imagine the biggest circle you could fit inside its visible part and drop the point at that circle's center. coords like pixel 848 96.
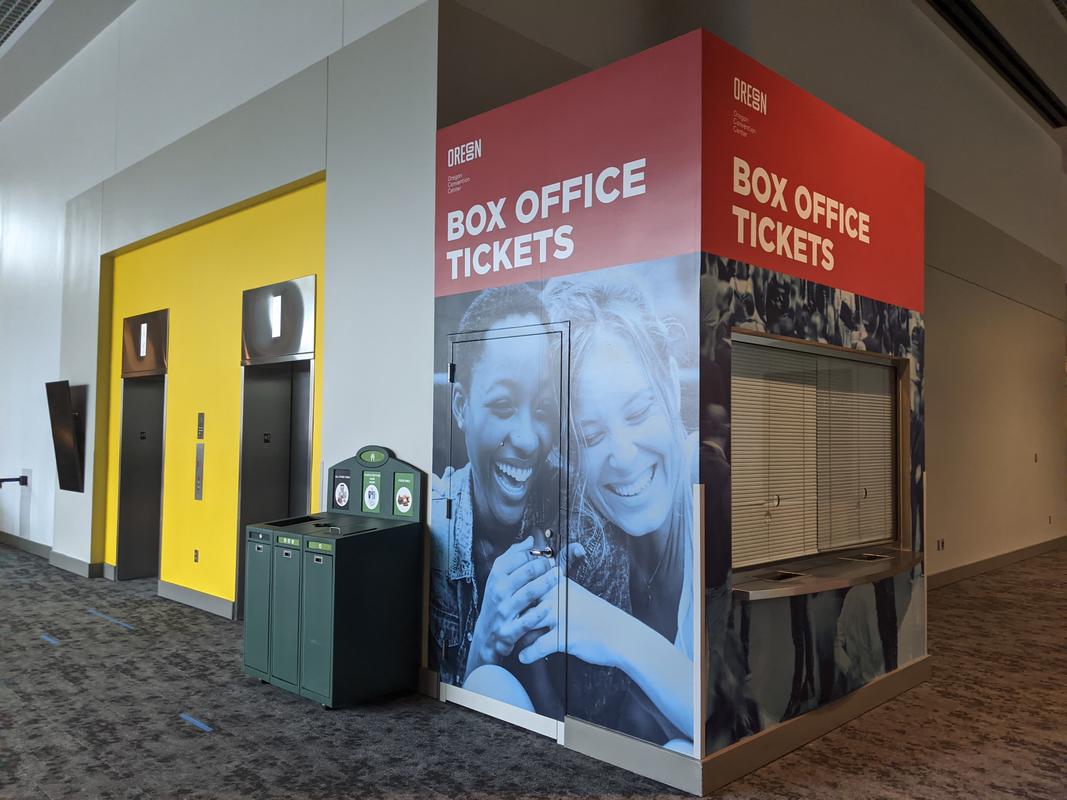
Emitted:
pixel 93 711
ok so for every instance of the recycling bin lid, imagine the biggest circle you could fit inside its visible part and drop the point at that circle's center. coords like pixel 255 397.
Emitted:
pixel 298 524
pixel 336 527
pixel 326 525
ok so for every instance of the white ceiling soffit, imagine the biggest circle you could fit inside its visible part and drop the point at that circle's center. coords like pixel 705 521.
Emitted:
pixel 45 39
pixel 1037 29
pixel 13 13
pixel 1020 44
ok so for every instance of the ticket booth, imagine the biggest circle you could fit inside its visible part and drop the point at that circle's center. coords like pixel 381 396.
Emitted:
pixel 678 421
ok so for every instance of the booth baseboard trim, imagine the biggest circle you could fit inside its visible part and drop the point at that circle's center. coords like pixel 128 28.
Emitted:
pixel 652 761
pixel 499 709
pixel 109 571
pixel 751 753
pixel 191 597
pixel 939 579
pixel 83 568
pixel 25 545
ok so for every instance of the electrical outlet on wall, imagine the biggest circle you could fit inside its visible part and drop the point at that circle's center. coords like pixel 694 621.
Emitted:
pixel 196 556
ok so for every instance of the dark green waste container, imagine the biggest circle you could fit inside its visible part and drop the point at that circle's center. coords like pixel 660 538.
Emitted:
pixel 333 600
pixel 259 565
pixel 285 612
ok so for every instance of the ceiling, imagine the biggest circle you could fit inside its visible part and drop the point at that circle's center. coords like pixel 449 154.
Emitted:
pixel 38 41
pixel 12 14
pixel 1037 32
pixel 37 37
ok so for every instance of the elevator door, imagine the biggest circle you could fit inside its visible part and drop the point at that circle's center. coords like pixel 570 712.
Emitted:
pixel 275 448
pixel 140 477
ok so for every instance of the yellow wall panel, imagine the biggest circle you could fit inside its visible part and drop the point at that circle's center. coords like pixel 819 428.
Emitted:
pixel 200 275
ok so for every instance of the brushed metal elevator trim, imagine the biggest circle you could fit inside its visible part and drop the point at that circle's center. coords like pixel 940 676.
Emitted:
pixel 295 340
pixel 145 355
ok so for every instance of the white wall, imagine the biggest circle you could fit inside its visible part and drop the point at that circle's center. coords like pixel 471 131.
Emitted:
pixel 160 71
pixel 58 142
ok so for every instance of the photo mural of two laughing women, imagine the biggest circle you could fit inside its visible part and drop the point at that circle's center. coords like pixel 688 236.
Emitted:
pixel 572 426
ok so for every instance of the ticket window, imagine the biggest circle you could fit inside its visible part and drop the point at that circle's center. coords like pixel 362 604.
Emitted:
pixel 813 453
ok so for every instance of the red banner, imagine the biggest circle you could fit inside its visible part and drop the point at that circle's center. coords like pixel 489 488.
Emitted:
pixel 599 171
pixel 688 146
pixel 793 185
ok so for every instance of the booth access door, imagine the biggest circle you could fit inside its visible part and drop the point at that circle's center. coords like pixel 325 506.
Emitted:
pixel 507 450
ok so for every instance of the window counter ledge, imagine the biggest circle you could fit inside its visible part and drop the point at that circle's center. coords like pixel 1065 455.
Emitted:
pixel 824 572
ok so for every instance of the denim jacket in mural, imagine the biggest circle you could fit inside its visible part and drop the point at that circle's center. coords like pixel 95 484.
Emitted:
pixel 454 600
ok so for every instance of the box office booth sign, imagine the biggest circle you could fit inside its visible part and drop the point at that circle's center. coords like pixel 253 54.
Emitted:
pixel 677 500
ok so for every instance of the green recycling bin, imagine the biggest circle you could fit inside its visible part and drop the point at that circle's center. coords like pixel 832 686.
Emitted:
pixel 259 568
pixel 333 600
pixel 285 611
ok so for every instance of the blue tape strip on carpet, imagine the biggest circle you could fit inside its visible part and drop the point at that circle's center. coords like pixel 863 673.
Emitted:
pixel 49 639
pixel 196 723
pixel 102 615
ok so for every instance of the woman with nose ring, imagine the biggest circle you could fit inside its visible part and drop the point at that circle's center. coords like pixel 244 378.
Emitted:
pixel 487 586
pixel 633 481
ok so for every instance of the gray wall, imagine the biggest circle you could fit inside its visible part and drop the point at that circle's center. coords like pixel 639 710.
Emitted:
pixel 996 230
pixel 996 222
pixel 379 242
pixel 890 67
pixel 994 390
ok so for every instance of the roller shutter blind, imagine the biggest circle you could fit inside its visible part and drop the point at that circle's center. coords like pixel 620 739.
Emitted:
pixel 812 447
pixel 773 432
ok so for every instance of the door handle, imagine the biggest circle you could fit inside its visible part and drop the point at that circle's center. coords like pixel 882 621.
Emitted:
pixel 287 553
pixel 544 552
pixel 259 548
pixel 318 559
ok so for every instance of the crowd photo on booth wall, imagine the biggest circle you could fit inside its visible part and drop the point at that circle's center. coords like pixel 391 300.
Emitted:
pixel 775 659
pixel 580 438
